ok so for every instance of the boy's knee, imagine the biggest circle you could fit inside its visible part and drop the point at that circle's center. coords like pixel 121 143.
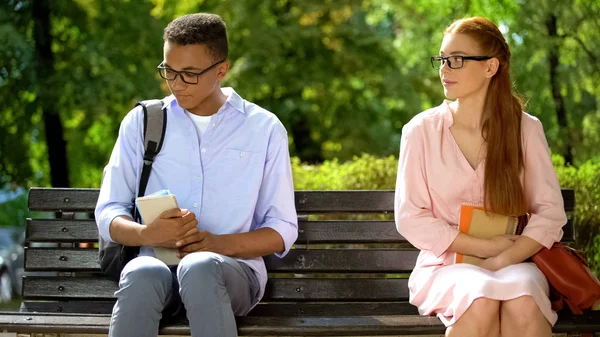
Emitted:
pixel 146 272
pixel 201 266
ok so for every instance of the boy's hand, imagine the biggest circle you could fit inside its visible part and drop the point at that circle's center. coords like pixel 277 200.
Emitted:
pixel 203 241
pixel 171 225
pixel 172 244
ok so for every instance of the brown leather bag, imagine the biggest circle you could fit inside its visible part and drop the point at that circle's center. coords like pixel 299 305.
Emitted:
pixel 570 277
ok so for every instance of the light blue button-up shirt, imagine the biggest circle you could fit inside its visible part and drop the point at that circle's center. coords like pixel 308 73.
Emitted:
pixel 236 178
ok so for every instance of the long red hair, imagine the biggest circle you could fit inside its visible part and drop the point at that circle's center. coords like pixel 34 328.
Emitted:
pixel 501 129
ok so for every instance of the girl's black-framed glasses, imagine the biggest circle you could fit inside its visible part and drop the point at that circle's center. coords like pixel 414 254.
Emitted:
pixel 455 61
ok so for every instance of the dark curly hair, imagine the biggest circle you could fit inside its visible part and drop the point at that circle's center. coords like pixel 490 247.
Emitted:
pixel 200 28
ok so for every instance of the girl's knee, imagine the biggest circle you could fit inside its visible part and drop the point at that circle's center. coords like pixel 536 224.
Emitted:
pixel 522 310
pixel 481 319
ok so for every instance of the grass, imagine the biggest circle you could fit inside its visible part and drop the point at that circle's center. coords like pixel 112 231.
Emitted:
pixel 11 306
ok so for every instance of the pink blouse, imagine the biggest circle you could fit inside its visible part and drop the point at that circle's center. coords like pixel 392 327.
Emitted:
pixel 434 179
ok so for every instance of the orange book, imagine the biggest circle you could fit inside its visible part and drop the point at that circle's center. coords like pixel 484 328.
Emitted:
pixel 475 221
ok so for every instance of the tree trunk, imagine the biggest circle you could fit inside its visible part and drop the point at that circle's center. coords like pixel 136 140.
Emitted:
pixel 46 96
pixel 559 103
pixel 307 149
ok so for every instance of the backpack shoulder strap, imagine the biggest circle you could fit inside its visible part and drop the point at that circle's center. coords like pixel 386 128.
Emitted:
pixel 155 125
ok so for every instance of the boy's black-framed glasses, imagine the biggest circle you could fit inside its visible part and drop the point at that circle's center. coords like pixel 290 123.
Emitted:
pixel 455 61
pixel 186 76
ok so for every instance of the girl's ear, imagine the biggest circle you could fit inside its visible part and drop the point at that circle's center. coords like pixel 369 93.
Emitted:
pixel 492 67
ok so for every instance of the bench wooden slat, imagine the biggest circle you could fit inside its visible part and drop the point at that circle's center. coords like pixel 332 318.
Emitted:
pixel 278 289
pixel 268 326
pixel 352 231
pixel 567 322
pixel 309 232
pixel 344 260
pixel 333 231
pixel 297 260
pixel 84 200
pixel 63 199
pixel 344 201
pixel 99 307
pixel 262 309
pixel 338 289
pixel 59 230
pixel 248 326
pixel 568 231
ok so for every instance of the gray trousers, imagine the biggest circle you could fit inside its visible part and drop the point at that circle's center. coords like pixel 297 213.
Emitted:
pixel 209 288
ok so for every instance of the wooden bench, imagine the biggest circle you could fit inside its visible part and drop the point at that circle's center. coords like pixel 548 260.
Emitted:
pixel 343 277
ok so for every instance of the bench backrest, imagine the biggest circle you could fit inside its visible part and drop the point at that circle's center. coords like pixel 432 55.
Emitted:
pixel 348 250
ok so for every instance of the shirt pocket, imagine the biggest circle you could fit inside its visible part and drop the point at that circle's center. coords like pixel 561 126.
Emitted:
pixel 242 157
pixel 240 173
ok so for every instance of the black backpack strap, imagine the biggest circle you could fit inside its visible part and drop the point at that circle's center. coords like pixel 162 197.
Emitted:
pixel 155 125
pixel 113 258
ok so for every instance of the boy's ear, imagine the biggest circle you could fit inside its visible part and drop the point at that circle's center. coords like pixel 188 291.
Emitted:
pixel 222 70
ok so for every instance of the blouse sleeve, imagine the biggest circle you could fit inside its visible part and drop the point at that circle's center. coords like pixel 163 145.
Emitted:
pixel 412 207
pixel 542 189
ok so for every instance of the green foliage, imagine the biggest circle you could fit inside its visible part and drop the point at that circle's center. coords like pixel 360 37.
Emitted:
pixel 343 76
pixel 105 56
pixel 16 112
pixel 316 69
pixel 585 180
pixel 349 72
pixel 362 173
pixel 13 213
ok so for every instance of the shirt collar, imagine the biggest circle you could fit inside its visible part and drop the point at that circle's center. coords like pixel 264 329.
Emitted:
pixel 234 99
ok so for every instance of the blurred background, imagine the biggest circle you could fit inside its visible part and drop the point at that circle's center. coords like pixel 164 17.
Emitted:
pixel 343 76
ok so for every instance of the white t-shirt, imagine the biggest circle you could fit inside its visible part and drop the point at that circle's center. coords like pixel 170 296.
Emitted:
pixel 201 122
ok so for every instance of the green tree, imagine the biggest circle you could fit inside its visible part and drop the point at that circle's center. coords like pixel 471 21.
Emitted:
pixel 344 76
pixel 69 79
pixel 327 69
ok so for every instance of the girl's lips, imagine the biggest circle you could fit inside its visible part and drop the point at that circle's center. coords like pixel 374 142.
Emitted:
pixel 448 83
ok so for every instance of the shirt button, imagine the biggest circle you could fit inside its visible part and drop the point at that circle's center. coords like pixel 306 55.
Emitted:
pixel 203 150
pixel 214 124
pixel 195 204
pixel 243 154
pixel 197 177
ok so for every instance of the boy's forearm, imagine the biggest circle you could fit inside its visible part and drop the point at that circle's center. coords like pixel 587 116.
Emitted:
pixel 127 232
pixel 261 242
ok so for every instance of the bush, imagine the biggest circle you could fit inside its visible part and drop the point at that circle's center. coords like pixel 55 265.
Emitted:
pixel 13 212
pixel 366 172
pixel 372 173
pixel 585 180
